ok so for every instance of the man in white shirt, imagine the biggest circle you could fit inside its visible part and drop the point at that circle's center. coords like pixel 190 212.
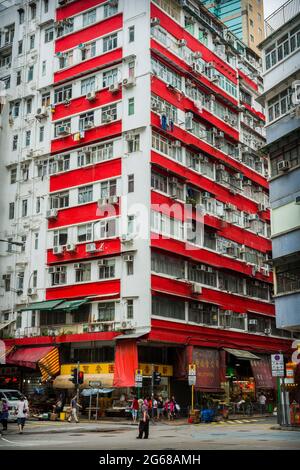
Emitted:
pixel 22 412
pixel 262 403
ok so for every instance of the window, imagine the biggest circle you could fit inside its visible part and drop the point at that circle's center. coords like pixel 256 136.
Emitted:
pixel 49 34
pixel 20 281
pixel 202 274
pixel 27 138
pixel 106 311
pixel 131 224
pixel 251 38
pixel 25 172
pixel 18 78
pixel 85 194
pixel 11 211
pixel 89 17
pixel 134 143
pixel 34 278
pixel 66 27
pixel 107 228
pixel 31 41
pixel 166 74
pixel 59 277
pixel 250 7
pixel 131 69
pixel 6 81
pixel 232 319
pixel 251 23
pixel 84 233
pixel 44 65
pixel 110 42
pixel 169 265
pixel 109 113
pixel 9 245
pixel 42 133
pixel 83 274
pixel 108 188
pixel 231 283
pixel 88 51
pixel 38 205
pixel 258 289
pixel 46 6
pixel 15 142
pixel 30 73
pixel 62 127
pixel 24 207
pixel 109 77
pixel 21 15
pixel 7 282
pixel 20 47
pixel 29 106
pixel 88 85
pixel 130 106
pixel 164 307
pixel 129 309
pixel 130 183
pixel 129 268
pixel 62 94
pixel 86 121
pixel 107 268
pixel 36 241
pixel 202 313
pixel 60 237
pixel 164 145
pixel 53 317
pixel 65 60
pixel 280 104
pixel 13 175
pixel 109 9
pixel 45 99
pixel 60 200
pixel 131 34
pixel 32 7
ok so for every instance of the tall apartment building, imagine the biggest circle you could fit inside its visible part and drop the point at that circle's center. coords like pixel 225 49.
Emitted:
pixel 281 59
pixel 115 112
pixel 243 17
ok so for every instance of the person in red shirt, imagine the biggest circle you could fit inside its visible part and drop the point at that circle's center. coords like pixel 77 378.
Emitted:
pixel 134 409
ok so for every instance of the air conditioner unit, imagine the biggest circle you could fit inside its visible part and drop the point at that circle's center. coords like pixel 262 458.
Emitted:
pixel 219 166
pixel 78 266
pixel 261 207
pixel 103 201
pixel 219 134
pixel 154 21
pixel 197 67
pixel 203 267
pixel 71 247
pixel 51 214
pixel 91 96
pixel 113 199
pixel 252 217
pixel 31 291
pixel 205 195
pixel 89 125
pixel 107 118
pixel 63 130
pixel 209 269
pixel 196 289
pixel 114 87
pixel 126 325
pixel 197 55
pixel 229 207
pixel 228 313
pixel 128 258
pixel 215 79
pixel 267 331
pixel 102 262
pixel 90 248
pixel 128 82
pixel 57 250
pixel 252 322
pixel 126 237
pixel 129 136
pixel 226 117
pixel 283 165
pixel 181 42
pixel 265 269
pixel 176 144
pixel 41 112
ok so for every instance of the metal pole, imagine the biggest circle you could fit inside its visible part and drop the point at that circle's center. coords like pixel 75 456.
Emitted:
pixel 152 382
pixel 278 401
pixel 77 384
pixel 90 408
pixel 96 417
pixel 192 398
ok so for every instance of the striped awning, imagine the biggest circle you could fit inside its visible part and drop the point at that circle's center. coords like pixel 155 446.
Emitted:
pixel 49 365
pixel 46 358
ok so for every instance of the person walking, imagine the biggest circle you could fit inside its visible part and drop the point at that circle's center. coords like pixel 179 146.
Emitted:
pixel 4 413
pixel 262 403
pixel 134 409
pixel 74 409
pixel 144 422
pixel 154 408
pixel 22 411
pixel 171 410
pixel 160 407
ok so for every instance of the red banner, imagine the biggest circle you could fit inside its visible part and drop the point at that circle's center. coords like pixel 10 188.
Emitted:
pixel 126 363
pixel 262 373
pixel 208 369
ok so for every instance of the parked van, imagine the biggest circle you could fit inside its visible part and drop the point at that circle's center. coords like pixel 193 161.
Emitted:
pixel 13 399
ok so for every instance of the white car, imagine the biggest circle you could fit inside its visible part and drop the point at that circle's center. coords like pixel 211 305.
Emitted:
pixel 13 399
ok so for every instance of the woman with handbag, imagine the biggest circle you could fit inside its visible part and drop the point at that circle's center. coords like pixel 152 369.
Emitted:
pixel 22 413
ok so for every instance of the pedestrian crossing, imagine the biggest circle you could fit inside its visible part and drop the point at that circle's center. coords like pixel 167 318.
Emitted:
pixel 236 421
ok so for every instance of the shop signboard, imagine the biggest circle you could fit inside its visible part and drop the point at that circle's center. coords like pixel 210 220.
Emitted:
pixel 95 384
pixel 192 369
pixel 277 362
pixel 192 379
pixel 262 372
pixel 139 378
pixel 207 362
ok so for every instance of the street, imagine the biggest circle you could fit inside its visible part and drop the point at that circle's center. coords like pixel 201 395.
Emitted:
pixel 252 435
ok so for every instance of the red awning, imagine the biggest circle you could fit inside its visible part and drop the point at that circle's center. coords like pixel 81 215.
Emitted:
pixel 28 357
pixel 126 363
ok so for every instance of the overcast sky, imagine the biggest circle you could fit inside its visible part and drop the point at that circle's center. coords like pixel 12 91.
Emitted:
pixel 272 5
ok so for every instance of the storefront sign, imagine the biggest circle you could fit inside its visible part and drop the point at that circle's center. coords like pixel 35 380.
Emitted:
pixel 139 378
pixel 192 379
pixel 192 369
pixel 207 362
pixel 289 380
pixel 277 365
pixel 108 368
pixel 94 384
pixel 262 373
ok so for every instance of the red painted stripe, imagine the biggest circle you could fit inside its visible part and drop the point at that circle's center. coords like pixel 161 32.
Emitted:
pixel 226 301
pixel 181 33
pixel 84 290
pixel 253 111
pixel 74 8
pixel 81 104
pixel 248 80
pixel 87 66
pixel 183 67
pixel 201 182
pixel 108 247
pixel 89 33
pixel 186 104
pixel 85 175
pixel 203 255
pixel 74 338
pixel 103 132
pixel 189 139
pixel 181 333
pixel 78 214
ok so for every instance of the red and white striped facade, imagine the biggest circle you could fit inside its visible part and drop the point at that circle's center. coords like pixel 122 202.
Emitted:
pixel 182 127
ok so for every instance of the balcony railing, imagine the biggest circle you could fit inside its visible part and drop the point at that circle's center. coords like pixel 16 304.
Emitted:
pixel 281 16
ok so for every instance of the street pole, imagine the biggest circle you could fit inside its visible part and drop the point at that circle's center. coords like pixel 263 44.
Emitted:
pixel 192 399
pixel 152 381
pixel 77 384
pixel 278 401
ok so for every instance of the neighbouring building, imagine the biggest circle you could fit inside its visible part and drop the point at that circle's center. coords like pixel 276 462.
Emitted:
pixel 114 111
pixel 243 17
pixel 281 97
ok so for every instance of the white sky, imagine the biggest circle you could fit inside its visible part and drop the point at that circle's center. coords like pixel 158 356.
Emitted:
pixel 272 5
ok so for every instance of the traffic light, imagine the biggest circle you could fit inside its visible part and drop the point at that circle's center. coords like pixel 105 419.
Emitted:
pixel 74 378
pixel 156 378
pixel 80 377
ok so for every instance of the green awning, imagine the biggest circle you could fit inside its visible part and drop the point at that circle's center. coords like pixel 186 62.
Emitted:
pixel 241 354
pixel 71 304
pixel 47 305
